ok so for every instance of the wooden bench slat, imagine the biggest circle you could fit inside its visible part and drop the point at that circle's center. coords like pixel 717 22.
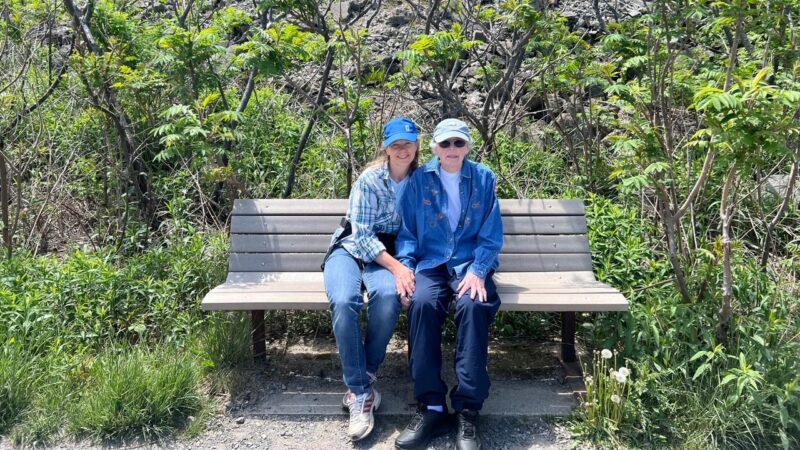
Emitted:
pixel 310 262
pixel 280 243
pixel 501 288
pixel 509 301
pixel 290 207
pixel 519 278
pixel 316 243
pixel 327 224
pixel 308 207
pixel 541 207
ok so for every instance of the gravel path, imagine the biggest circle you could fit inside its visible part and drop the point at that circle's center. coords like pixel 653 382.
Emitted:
pixel 236 424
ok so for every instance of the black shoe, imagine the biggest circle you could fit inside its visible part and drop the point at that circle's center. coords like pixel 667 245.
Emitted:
pixel 424 426
pixel 468 438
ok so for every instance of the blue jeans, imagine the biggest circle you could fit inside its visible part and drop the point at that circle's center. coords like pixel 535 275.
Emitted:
pixel 343 278
pixel 435 290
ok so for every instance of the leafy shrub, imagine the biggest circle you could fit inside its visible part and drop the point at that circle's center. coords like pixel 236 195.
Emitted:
pixel 86 299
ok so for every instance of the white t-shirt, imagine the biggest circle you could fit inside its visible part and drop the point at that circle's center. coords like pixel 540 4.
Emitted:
pixel 450 182
pixel 398 187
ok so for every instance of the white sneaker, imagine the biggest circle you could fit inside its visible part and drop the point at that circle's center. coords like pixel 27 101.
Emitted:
pixel 362 419
pixel 350 398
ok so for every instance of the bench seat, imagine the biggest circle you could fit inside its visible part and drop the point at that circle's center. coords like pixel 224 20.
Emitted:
pixel 519 291
pixel 277 247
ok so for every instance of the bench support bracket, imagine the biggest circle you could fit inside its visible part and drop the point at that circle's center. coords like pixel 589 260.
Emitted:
pixel 568 336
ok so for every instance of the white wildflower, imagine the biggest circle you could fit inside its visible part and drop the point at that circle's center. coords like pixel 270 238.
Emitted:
pixel 606 354
pixel 589 379
pixel 624 371
pixel 620 377
pixel 616 398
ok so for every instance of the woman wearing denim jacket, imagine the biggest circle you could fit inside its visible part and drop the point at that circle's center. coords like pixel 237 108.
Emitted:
pixel 451 236
pixel 359 254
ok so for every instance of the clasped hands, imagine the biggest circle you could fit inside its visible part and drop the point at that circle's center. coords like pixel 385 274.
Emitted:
pixel 404 279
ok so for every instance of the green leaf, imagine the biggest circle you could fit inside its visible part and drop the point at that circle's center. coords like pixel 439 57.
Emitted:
pixel 701 370
pixel 635 62
pixel 657 167
pixel 698 355
pixel 728 378
pixel 620 90
pixel 210 98
pixel 759 77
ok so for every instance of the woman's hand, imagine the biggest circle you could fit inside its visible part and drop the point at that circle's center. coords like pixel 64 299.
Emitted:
pixel 404 280
pixel 403 276
pixel 472 283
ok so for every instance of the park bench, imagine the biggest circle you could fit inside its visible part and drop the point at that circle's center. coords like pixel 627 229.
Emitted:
pixel 277 247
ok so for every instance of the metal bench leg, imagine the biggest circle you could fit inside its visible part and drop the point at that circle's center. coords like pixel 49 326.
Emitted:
pixel 259 337
pixel 568 336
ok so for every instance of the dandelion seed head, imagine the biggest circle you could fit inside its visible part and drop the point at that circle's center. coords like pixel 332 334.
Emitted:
pixel 616 398
pixel 606 354
pixel 624 371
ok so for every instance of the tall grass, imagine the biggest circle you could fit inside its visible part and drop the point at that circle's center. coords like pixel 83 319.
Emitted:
pixel 225 341
pixel 19 379
pixel 137 392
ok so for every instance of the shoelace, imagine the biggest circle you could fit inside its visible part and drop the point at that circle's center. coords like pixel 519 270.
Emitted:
pixel 467 425
pixel 357 407
pixel 416 422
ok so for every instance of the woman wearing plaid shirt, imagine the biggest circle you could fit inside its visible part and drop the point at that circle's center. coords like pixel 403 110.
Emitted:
pixel 362 252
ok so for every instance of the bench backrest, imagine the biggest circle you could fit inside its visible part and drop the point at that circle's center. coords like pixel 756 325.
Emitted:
pixel 269 236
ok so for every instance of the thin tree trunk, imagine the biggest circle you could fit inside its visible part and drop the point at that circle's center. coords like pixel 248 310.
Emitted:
pixel 5 186
pixel 136 172
pixel 600 21
pixel 726 212
pixel 311 122
pixel 677 267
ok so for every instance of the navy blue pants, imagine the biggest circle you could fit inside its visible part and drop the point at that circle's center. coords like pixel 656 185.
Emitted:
pixel 435 289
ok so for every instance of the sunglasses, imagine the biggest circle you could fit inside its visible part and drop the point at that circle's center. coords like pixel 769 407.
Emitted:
pixel 458 143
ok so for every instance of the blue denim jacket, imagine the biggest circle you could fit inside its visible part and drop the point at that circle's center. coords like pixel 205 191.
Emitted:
pixel 426 240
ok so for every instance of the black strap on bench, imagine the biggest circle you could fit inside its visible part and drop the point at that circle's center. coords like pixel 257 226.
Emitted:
pixel 388 240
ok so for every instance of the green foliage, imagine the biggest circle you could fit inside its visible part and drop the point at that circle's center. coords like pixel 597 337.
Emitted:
pixel 749 120
pixel 225 343
pixel 87 299
pixel 137 392
pixel 19 380
pixel 277 49
pixel 440 50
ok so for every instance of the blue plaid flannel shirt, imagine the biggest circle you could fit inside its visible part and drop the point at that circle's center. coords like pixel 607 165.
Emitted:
pixel 372 210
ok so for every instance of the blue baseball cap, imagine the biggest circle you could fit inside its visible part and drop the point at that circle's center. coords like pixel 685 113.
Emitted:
pixel 450 128
pixel 399 128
